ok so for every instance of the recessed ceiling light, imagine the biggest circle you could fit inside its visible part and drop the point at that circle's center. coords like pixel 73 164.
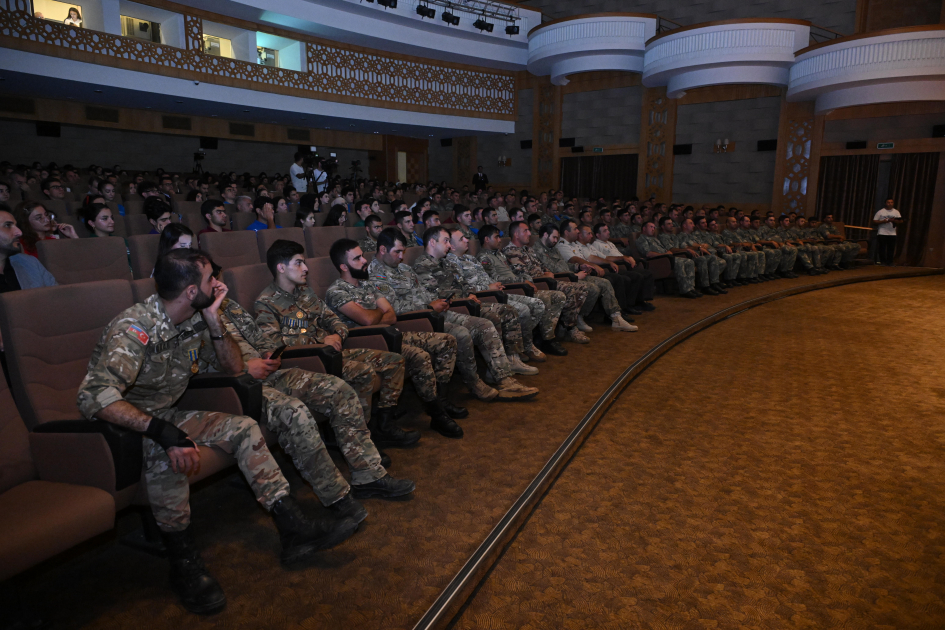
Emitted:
pixel 245 111
pixel 351 125
pixel 377 132
pixel 213 115
pixel 98 91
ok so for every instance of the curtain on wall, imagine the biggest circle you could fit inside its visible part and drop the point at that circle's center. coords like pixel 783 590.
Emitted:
pixel 593 176
pixel 847 187
pixel 912 187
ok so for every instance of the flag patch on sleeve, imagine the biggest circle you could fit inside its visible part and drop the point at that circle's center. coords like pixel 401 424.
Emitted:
pixel 137 331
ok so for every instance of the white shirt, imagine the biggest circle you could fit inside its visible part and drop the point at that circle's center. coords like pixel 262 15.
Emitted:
pixel 567 250
pixel 604 249
pixel 298 182
pixel 887 229
pixel 502 213
pixel 321 180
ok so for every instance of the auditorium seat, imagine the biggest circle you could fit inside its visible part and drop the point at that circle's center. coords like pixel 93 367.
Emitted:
pixel 49 501
pixel 231 249
pixel 188 207
pixel 142 289
pixel 134 205
pixel 321 273
pixel 60 207
pixel 265 239
pixel 474 246
pixel 143 251
pixel 318 240
pixel 354 233
pixel 242 220
pixel 136 224
pixel 285 219
pixel 75 260
pixel 194 220
pixel 246 283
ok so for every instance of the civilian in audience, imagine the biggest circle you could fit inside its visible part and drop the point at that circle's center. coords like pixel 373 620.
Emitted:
pixel 215 216
pixel 245 204
pixel 4 193
pixel 158 212
pixel 599 243
pixel 195 195
pixel 229 193
pixel 304 217
pixel 175 236
pixel 363 208
pixel 280 205
pixel 17 270
pixel 37 225
pixel 337 216
pixel 265 215
pixel 98 219
pixel 149 189
pixel 53 189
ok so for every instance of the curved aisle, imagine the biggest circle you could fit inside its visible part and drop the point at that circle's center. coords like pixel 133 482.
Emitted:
pixel 784 468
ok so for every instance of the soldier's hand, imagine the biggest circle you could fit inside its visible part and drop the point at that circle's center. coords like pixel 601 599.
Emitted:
pixel 630 261
pixel 334 341
pixel 185 460
pixel 472 297
pixel 262 368
pixel 219 292
pixel 496 286
pixel 439 305
pixel 598 270
pixel 614 267
pixel 581 275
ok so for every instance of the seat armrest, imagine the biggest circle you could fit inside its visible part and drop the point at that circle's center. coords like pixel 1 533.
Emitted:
pixel 435 319
pixel 246 388
pixel 499 296
pixel 124 445
pixel 471 307
pixel 566 275
pixel 329 357
pixel 392 337
pixel 686 254
pixel 525 287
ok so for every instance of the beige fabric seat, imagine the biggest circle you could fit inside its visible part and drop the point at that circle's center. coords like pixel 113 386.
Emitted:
pixel 231 249
pixel 318 240
pixel 75 260
pixel 265 239
pixel 143 250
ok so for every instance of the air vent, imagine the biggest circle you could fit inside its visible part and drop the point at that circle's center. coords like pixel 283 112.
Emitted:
pixel 856 144
pixel 101 114
pixel 682 149
pixel 242 129
pixel 565 142
pixel 49 129
pixel 579 149
pixel 938 131
pixel 181 123
pixel 299 135
pixel 526 144
pixel 446 142
pixel 16 105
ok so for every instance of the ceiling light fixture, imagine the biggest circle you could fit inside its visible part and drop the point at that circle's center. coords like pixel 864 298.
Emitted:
pixel 425 12
pixel 512 29
pixel 388 4
pixel 449 18
pixel 482 25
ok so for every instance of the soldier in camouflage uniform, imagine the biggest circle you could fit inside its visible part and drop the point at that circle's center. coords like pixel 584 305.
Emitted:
pixel 849 250
pixel 140 367
pixel 372 227
pixel 683 268
pixel 290 397
pixel 805 253
pixel 717 247
pixel 463 217
pixel 835 247
pixel 772 255
pixel 401 287
pixel 796 238
pixel 754 258
pixel 715 264
pixel 622 232
pixel 289 309
pixel 531 310
pixel 676 243
pixel 443 279
pixel 769 232
pixel 429 356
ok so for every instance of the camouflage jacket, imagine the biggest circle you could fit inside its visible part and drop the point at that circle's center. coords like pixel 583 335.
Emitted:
pixel 730 237
pixel 341 292
pixel 705 238
pixel 648 244
pixel 671 241
pixel 766 233
pixel 439 277
pixel 811 234
pixel 474 276
pixel 367 244
pixel 144 359
pixel 690 240
pixel 828 229
pixel 298 318
pixel 401 287
pixel 622 230
pixel 748 236
pixel 523 262
pixel 550 258
pixel 496 265
pixel 252 341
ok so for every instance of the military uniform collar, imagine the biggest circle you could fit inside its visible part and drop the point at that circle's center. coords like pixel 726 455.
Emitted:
pixel 168 330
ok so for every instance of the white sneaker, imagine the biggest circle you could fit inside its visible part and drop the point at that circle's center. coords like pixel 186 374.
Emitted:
pixel 520 368
pixel 582 325
pixel 621 324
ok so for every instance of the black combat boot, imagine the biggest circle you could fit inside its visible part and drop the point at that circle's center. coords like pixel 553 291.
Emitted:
pixel 453 411
pixel 386 433
pixel 331 443
pixel 441 422
pixel 198 591
pixel 348 507
pixel 301 537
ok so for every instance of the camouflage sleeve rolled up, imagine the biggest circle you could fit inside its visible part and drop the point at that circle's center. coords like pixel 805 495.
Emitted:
pixel 115 362
pixel 252 341
pixel 517 262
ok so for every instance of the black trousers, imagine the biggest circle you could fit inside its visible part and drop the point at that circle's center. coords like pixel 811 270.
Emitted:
pixel 885 249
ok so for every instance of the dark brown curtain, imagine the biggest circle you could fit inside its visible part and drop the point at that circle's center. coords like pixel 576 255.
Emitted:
pixel 593 176
pixel 847 188
pixel 912 187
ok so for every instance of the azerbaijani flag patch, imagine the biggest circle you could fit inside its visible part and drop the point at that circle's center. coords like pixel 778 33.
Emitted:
pixel 137 331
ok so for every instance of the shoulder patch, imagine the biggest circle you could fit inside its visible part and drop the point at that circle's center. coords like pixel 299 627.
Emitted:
pixel 138 333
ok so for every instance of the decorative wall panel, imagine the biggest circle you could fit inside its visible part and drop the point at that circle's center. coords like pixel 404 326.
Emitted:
pixel 547 131
pixel 658 132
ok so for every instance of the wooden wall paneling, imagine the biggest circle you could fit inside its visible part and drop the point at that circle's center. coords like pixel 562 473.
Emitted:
pixel 816 148
pixel 546 166
pixel 934 255
pixel 465 150
pixel 657 135
pixel 909 145
pixel 794 168
pixel 608 149
pixel 882 110
pixel 593 81
pixel 736 92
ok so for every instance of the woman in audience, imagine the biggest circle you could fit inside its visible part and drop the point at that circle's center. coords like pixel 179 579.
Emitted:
pixel 304 217
pixel 74 18
pixel 324 199
pixel 338 215
pixel 280 204
pixel 129 190
pixel 98 219
pixel 195 195
pixel 38 225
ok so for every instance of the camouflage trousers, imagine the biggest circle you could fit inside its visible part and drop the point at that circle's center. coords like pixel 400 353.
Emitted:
pixel 706 267
pixel 753 264
pixel 685 271
pixel 721 265
pixel 359 367
pixel 788 258
pixel 290 398
pixel 772 260
pixel 530 311
pixel 733 263
pixel 505 318
pixel 805 255
pixel 575 295
pixel 835 253
pixel 598 288
pixel 848 251
pixel 169 492
pixel 429 359
pixel 472 332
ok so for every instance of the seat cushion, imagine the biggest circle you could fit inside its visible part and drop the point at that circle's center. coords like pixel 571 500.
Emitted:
pixel 39 519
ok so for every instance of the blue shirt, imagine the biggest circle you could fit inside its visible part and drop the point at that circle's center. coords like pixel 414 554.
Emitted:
pixel 257 225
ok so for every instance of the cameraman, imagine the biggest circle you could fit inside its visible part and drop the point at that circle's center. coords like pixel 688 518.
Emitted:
pixel 319 177
pixel 297 172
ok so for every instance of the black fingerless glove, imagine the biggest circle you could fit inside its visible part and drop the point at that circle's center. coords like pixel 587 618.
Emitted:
pixel 167 435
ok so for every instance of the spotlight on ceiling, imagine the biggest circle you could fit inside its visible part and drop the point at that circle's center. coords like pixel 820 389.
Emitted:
pixel 511 29
pixel 426 12
pixel 449 18
pixel 389 4
pixel 482 25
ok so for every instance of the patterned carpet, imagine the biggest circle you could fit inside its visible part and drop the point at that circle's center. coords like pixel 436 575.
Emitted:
pixel 782 469
pixel 388 574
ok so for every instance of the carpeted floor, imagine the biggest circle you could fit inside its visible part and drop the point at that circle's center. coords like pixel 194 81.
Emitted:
pixel 406 552
pixel 782 469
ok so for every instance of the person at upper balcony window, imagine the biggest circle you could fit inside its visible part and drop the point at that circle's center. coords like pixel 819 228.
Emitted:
pixel 74 19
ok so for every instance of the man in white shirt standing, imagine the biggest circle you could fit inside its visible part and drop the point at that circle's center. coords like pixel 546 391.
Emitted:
pixel 297 173
pixel 887 218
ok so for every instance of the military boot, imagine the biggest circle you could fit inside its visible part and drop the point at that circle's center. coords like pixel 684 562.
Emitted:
pixel 483 392
pixel 440 421
pixel 198 591
pixel 443 394
pixel 302 537
pixel 386 433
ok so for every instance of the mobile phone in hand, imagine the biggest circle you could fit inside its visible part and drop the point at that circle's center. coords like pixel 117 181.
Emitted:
pixel 277 353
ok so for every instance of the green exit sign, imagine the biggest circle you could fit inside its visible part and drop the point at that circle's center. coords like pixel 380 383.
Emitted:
pixel 885 145
pixel 598 149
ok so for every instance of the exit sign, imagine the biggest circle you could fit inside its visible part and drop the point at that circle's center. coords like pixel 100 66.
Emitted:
pixel 598 149
pixel 885 145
